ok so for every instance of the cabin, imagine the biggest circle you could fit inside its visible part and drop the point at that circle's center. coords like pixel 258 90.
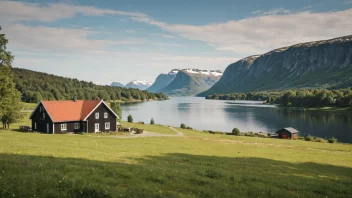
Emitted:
pixel 287 133
pixel 64 116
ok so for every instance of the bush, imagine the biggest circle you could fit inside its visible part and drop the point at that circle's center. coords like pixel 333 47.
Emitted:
pixel 251 134
pixel 236 131
pixel 152 121
pixel 183 126
pixel 332 140
pixel 322 140
pixel 308 138
pixel 140 122
pixel 130 118
pixel 190 128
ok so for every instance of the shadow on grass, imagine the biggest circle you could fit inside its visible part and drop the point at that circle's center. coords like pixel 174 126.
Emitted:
pixel 171 175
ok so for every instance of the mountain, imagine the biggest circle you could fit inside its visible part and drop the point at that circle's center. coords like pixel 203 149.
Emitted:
pixel 138 84
pixel 191 82
pixel 117 84
pixel 322 64
pixel 163 80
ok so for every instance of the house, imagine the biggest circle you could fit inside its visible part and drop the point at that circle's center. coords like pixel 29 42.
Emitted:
pixel 287 133
pixel 73 116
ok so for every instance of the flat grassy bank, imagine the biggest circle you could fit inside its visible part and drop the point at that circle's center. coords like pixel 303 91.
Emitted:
pixel 196 165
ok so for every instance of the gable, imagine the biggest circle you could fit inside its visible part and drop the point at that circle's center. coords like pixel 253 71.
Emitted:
pixel 102 107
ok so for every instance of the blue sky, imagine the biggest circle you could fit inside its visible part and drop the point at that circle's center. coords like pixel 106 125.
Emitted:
pixel 110 40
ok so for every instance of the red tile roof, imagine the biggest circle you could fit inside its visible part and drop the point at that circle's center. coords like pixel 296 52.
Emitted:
pixel 69 110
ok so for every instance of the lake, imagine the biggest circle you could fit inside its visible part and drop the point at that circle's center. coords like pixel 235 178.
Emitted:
pixel 202 114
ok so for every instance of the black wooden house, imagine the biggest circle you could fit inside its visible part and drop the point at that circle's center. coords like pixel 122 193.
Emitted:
pixel 73 116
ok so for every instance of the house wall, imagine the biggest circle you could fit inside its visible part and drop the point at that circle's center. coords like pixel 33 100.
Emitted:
pixel 101 110
pixel 37 117
pixel 288 134
pixel 70 127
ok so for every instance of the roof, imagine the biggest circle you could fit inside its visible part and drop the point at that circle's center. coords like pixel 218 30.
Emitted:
pixel 289 129
pixel 69 110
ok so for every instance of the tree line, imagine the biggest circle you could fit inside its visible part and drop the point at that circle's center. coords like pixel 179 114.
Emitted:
pixel 295 98
pixel 36 86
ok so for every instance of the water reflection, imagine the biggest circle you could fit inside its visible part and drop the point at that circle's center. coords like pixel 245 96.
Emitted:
pixel 225 115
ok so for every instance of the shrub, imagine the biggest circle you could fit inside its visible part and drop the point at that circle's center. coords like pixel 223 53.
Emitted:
pixel 308 138
pixel 251 134
pixel 332 140
pixel 152 121
pixel 183 126
pixel 320 140
pixel 130 118
pixel 236 131
pixel 190 128
pixel 140 122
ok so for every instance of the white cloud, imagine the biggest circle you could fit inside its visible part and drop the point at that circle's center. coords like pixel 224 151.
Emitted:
pixel 263 33
pixel 130 31
pixel 163 35
pixel 256 12
pixel 277 11
pixel 21 11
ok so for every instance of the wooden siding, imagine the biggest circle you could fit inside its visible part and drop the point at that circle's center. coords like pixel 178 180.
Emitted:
pixel 37 117
pixel 101 110
pixel 70 127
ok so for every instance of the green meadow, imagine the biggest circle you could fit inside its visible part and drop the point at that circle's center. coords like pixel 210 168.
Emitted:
pixel 196 165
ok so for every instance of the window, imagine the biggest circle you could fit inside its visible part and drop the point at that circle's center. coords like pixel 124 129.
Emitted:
pixel 105 115
pixel 43 115
pixel 35 126
pixel 77 126
pixel 97 115
pixel 107 125
pixel 63 127
pixel 40 109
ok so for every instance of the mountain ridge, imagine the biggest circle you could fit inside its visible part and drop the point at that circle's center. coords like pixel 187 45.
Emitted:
pixel 325 64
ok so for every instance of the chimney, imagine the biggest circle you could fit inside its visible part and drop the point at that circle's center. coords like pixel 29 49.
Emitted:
pixel 74 98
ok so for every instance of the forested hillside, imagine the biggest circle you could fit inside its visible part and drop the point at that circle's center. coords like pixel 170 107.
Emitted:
pixel 36 86
pixel 295 98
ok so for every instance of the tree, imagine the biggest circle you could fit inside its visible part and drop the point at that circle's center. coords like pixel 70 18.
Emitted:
pixel 116 107
pixel 10 108
pixel 152 121
pixel 236 131
pixel 130 118
pixel 183 126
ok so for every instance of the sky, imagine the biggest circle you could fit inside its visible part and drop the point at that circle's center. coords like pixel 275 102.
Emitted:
pixel 120 41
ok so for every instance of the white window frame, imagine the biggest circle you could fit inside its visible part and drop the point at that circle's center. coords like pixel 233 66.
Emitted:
pixel 97 115
pixel 35 126
pixel 107 125
pixel 77 125
pixel 64 127
pixel 40 109
pixel 43 115
pixel 105 115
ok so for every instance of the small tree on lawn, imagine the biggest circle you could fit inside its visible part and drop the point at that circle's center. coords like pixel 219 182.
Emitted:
pixel 152 121
pixel 236 131
pixel 183 126
pixel 130 118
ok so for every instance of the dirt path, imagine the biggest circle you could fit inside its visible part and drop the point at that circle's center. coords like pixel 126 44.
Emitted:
pixel 144 134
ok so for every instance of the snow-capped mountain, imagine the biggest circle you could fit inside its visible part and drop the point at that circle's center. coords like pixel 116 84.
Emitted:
pixel 163 80
pixel 139 84
pixel 204 72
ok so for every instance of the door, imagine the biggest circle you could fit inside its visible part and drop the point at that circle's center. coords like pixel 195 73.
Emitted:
pixel 47 128
pixel 96 127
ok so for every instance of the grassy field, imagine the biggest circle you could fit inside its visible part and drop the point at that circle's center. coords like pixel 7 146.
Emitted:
pixel 151 128
pixel 196 165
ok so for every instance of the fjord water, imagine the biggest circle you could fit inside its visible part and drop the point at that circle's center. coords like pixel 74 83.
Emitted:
pixel 202 114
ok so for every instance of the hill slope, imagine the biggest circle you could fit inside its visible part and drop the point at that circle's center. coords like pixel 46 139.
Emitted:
pixel 163 80
pixel 325 64
pixel 117 84
pixel 35 86
pixel 191 82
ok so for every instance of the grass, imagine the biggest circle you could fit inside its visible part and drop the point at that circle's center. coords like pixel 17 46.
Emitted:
pixel 197 165
pixel 151 128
